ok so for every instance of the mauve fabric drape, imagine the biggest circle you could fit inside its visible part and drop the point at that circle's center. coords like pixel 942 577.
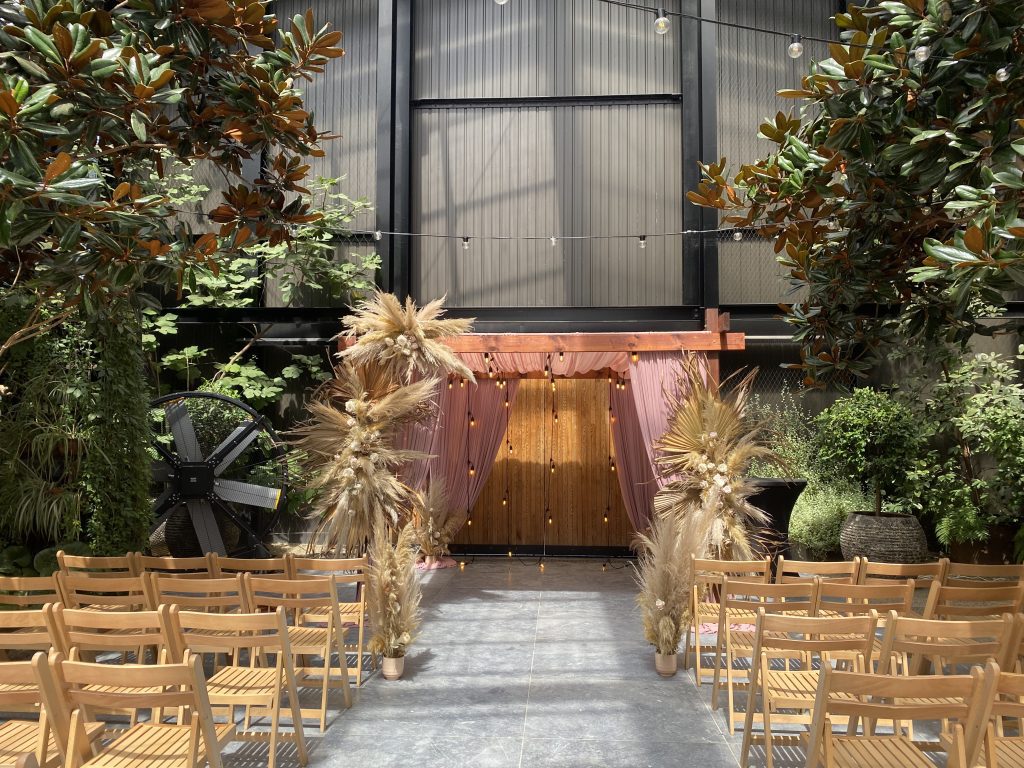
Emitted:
pixel 636 476
pixel 650 376
pixel 418 437
pixel 569 364
pixel 453 454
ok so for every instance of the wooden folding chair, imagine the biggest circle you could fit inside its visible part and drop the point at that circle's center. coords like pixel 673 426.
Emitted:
pixel 922 573
pixel 1002 750
pixel 29 591
pixel 979 575
pixel 803 645
pixel 1012 658
pixel 256 636
pixel 207 594
pixel 24 631
pixel 704 601
pixel 910 644
pixel 104 593
pixel 184 567
pixel 311 604
pixel 19 692
pixel 228 566
pixel 100 567
pixel 788 571
pixel 954 601
pixel 738 607
pixel 72 691
pixel 350 576
pixel 869 698
pixel 837 599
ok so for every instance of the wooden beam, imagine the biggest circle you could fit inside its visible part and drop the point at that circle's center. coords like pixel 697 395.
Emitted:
pixel 698 341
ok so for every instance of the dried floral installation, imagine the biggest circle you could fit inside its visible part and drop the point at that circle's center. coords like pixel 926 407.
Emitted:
pixel 663 573
pixel 405 340
pixel 706 452
pixel 436 522
pixel 394 591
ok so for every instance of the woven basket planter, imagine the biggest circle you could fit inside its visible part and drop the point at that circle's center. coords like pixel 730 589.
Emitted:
pixel 884 538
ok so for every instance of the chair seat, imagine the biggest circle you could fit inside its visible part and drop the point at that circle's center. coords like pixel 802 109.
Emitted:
pixel 302 639
pixel 1010 751
pixel 712 611
pixel 878 752
pixel 154 746
pixel 18 737
pixel 793 689
pixel 242 683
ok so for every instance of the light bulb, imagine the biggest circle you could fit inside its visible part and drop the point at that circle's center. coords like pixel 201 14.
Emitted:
pixel 561 356
pixel 634 357
pixel 556 417
pixel 504 502
pixel 472 421
pixel 554 241
pixel 462 565
pixel 378 235
pixel 551 520
pixel 501 2
pixel 613 467
pixel 449 385
pixel 662 24
pixel 737 235
pixel 510 447
pixel 542 567
pixel 462 383
pixel 1002 74
pixel 465 243
pixel 796 48
pixel 604 567
pixel 643 242
pixel 510 553
pixel 922 52
pixel 832 223
pixel 470 521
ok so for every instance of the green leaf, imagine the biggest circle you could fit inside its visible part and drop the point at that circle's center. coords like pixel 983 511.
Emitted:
pixel 138 122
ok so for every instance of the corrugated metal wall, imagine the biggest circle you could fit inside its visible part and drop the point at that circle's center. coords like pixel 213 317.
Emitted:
pixel 543 170
pixel 752 67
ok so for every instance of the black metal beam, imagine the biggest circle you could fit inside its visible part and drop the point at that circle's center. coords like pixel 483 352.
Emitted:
pixel 394 77
pixel 690 152
pixel 483 102
pixel 709 144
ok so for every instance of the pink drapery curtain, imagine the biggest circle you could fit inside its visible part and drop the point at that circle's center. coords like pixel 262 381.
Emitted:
pixel 568 364
pixel 418 437
pixel 636 476
pixel 652 376
pixel 457 446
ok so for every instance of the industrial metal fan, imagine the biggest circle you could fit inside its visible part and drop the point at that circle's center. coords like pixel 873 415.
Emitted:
pixel 220 476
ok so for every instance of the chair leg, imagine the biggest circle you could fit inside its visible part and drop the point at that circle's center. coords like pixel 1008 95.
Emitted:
pixel 275 727
pixel 767 720
pixel 716 681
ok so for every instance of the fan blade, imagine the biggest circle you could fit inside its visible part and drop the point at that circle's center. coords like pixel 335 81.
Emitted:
pixel 247 493
pixel 206 526
pixel 185 439
pixel 234 446
pixel 162 471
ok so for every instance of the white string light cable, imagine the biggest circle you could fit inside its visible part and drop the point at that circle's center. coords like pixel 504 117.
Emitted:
pixel 795 49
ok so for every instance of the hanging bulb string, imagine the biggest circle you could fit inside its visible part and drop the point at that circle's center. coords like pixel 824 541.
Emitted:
pixel 661 13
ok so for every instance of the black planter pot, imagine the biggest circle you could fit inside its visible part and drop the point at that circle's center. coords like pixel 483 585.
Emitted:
pixel 776 496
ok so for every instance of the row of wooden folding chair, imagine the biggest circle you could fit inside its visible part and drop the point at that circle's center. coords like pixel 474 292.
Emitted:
pixel 211 565
pixel 805 645
pixel 66 731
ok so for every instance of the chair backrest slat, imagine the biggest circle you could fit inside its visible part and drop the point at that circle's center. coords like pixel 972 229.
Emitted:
pixel 124 593
pixel 25 630
pixel 212 633
pixel 226 566
pixel 962 602
pixel 80 630
pixel 816 637
pixel 217 595
pixel 183 567
pixel 121 565
pixel 806 570
pixel 922 573
pixel 740 595
pixel 300 594
pixel 860 599
pixel 979 574
pixel 29 591
pixel 953 642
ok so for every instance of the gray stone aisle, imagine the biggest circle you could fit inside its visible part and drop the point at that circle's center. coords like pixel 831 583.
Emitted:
pixel 515 667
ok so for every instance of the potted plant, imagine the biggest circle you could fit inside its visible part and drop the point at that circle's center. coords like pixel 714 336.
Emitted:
pixel 394 597
pixel 872 439
pixel 436 525
pixel 662 570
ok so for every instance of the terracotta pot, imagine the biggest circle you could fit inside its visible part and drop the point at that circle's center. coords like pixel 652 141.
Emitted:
pixel 666 663
pixel 884 538
pixel 392 668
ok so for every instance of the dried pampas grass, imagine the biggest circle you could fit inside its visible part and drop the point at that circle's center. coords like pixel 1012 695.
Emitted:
pixel 436 522
pixel 663 573
pixel 394 592
pixel 405 340
pixel 706 451
pixel 348 447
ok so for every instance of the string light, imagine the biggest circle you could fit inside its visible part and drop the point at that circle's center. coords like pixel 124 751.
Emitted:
pixel 921 53
pixel 737 235
pixel 469 521
pixel 552 464
pixel 465 243
pixel 501 2
pixel 378 235
pixel 462 565
pixel 554 241
pixel 796 48
pixel 1003 74
pixel 643 242
pixel 561 356
pixel 541 564
pixel 634 357
pixel 462 383
pixel 662 24
pixel 472 421
pixel 556 417
pixel 510 553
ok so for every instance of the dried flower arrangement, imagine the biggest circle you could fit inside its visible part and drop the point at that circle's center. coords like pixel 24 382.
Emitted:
pixel 662 571
pixel 706 452
pixel 394 592
pixel 405 340
pixel 436 523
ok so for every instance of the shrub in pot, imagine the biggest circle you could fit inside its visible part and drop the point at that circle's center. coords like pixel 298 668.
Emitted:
pixel 872 439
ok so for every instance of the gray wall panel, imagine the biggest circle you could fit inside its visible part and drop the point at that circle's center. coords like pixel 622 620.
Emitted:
pixel 343 99
pixel 543 171
pixel 752 67
pixel 473 48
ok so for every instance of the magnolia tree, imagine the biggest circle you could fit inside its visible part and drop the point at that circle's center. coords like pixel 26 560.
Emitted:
pixel 894 196
pixel 92 94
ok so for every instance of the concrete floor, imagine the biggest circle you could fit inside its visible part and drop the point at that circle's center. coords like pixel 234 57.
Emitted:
pixel 514 667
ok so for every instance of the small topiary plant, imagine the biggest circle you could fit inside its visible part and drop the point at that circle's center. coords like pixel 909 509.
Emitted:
pixel 871 439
